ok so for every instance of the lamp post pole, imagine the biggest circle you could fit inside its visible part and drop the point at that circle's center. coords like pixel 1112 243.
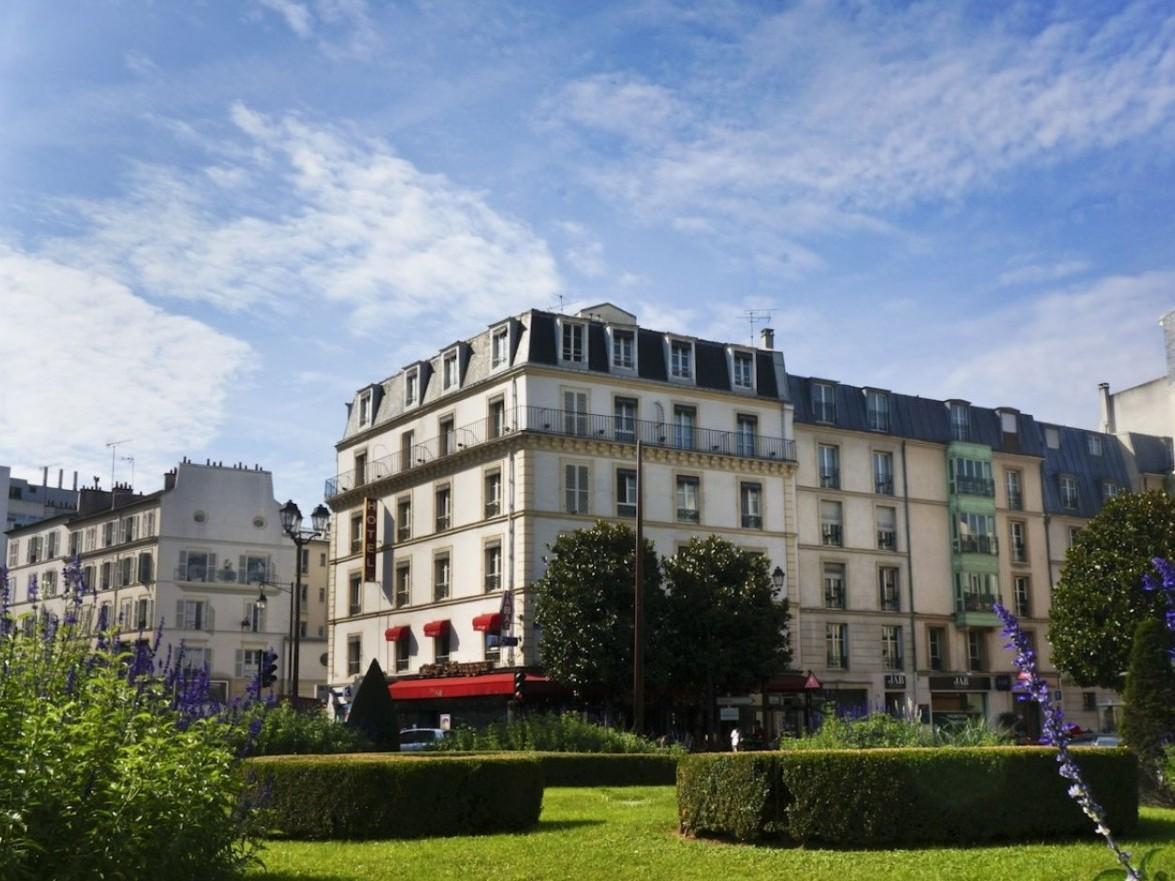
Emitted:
pixel 291 518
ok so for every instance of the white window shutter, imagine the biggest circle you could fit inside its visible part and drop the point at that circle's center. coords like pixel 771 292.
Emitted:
pixel 209 617
pixel 184 565
pixel 211 567
pixel 240 664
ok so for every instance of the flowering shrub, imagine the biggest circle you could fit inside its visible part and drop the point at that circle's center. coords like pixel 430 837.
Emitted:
pixel 113 762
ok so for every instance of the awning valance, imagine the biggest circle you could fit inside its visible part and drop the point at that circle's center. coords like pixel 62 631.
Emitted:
pixel 395 634
pixel 489 623
pixel 487 685
pixel 436 628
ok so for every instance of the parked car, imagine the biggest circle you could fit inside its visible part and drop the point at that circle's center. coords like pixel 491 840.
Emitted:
pixel 417 739
pixel 1096 740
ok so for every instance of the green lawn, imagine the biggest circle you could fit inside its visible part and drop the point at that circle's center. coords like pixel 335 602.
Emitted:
pixel 613 834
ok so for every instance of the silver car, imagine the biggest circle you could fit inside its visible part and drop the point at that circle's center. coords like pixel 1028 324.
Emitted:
pixel 417 739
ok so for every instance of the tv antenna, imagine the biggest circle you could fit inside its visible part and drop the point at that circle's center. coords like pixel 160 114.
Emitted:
pixel 113 447
pixel 756 316
pixel 561 305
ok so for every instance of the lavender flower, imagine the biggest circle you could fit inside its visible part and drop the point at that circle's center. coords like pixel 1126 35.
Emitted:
pixel 1056 733
pixel 1163 583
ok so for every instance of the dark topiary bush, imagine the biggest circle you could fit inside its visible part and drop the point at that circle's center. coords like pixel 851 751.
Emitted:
pixel 374 795
pixel 899 796
pixel 373 715
pixel 602 769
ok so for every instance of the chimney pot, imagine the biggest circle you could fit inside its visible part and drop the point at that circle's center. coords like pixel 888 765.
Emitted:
pixel 767 337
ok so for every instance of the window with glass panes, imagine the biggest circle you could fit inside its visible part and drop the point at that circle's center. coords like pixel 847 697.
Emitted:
pixel 572 350
pixel 575 415
pixel 836 641
pixel 960 415
pixel 491 647
pixel 441 572
pixel 744 367
pixel 936 647
pixel 823 402
pixel 976 650
pixel 883 472
pixel 680 359
pixel 623 349
pixel 887 528
pixel 449 371
pixel 403 594
pixel 410 385
pixel 625 493
pixel 447 436
pixel 828 458
pixel 1023 590
pixel 687 499
pixel 972 477
pixel 493 567
pixel 444 508
pixel 1069 495
pixel 575 489
pixel 1017 533
pixel 1013 481
pixel 830 523
pixel 404 518
pixel 624 419
pixel 402 649
pixel 891 600
pixel 354 654
pixel 877 410
pixel 974 533
pixel 496 422
pixel 834 585
pixel 684 423
pixel 891 646
pixel 441 646
pixel 354 593
pixel 493 493
pixel 746 429
pixel 500 347
pixel 751 505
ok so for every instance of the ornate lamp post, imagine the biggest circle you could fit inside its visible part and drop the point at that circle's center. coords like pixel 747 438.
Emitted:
pixel 291 520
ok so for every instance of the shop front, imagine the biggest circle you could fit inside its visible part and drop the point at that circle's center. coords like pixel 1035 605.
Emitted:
pixel 958 699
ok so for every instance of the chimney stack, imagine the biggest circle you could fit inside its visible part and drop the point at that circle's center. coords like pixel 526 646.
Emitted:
pixel 1167 322
pixel 1107 407
pixel 60 478
pixel 75 481
pixel 45 476
pixel 767 338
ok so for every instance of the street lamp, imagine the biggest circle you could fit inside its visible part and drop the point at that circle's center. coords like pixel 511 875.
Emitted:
pixel 291 519
pixel 778 578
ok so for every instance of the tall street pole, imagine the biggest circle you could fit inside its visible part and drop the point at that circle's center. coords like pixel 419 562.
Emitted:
pixel 638 607
pixel 297 625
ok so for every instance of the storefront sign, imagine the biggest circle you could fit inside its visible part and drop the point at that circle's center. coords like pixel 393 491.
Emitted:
pixel 455 668
pixel 895 680
pixel 962 682
pixel 506 628
pixel 1003 682
pixel 728 714
pixel 370 538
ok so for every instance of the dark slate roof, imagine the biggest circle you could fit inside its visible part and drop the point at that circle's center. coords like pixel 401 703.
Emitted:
pixel 650 356
pixel 711 367
pixel 542 338
pixel 1072 457
pixel 1152 455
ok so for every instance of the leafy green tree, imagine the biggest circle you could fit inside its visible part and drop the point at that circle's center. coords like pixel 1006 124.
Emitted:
pixel 725 630
pixel 585 609
pixel 1148 719
pixel 372 712
pixel 1099 600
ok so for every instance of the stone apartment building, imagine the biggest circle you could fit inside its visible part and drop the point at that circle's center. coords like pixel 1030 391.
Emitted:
pixel 190 557
pixel 895 520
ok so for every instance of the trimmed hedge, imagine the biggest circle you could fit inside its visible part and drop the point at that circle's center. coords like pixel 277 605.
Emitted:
pixel 608 769
pixel 372 795
pixel 883 797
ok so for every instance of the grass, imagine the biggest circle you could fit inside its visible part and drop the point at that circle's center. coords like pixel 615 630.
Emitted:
pixel 630 833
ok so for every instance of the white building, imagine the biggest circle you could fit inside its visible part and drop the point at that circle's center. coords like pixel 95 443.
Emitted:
pixel 189 556
pixel 23 502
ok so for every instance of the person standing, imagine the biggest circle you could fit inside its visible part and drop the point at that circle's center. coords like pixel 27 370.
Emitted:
pixel 736 737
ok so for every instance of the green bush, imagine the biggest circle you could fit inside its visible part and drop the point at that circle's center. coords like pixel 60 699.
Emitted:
pixel 889 797
pixel 881 730
pixel 377 795
pixel 596 769
pixel 551 733
pixel 286 731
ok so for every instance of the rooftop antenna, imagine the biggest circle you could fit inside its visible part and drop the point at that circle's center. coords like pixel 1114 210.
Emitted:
pixel 113 445
pixel 756 316
pixel 561 299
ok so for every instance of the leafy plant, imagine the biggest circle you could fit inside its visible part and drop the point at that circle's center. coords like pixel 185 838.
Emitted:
pixel 1148 717
pixel 881 730
pixel 286 731
pixel 551 733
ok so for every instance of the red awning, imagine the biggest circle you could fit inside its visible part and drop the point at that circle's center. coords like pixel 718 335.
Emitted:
pixel 489 684
pixel 395 634
pixel 490 623
pixel 436 628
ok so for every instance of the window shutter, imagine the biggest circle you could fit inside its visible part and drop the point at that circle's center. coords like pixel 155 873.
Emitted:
pixel 181 621
pixel 209 617
pixel 242 571
pixel 183 573
pixel 211 567
pixel 240 664
pixel 150 613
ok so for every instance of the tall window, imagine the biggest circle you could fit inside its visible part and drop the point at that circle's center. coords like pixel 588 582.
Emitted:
pixel 254 619
pixel 1019 541
pixel 744 367
pixel 104 580
pixel 973 477
pixel 883 473
pixel 877 410
pixel 496 423
pixel 830 524
pixel 193 615
pixel 575 489
pixel 891 600
pixel 623 349
pixel 1014 482
pixel 976 650
pixel 493 493
pixel 407 450
pixel 624 418
pixel 680 359
pixel 1023 590
pixel 1095 444
pixel 354 593
pixel 404 519
pixel 365 409
pixel 684 424
pixel 447 436
pixel 575 415
pixel 891 646
pixel 493 567
pixel 411 383
pixel 500 347
pixel 354 654
pixel 746 429
pixel 449 371
pixel 1069 494
pixel 836 641
pixel 107 536
pixel 829 461
pixel 356 532
pixel 824 402
pixel 834 585
pixel 687 499
pixel 573 345
pixel 403 595
pixel 444 508
pixel 625 493
pixel 751 505
pixel 197 566
pixel 974 534
pixel 960 415
pixel 887 528
pixel 146 568
pixel 442 645
pixel 1110 489
pixel 440 577
pixel 936 644
pixel 402 648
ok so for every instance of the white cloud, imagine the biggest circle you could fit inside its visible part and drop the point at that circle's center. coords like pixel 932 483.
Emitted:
pixel 139 64
pixel 292 211
pixel 297 16
pixel 1039 273
pixel 86 362
pixel 584 253
pixel 343 28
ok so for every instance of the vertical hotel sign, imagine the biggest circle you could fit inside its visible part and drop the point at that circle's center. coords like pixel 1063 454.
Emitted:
pixel 370 538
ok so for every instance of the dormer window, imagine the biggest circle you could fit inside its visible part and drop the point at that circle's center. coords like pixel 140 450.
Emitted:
pixel 449 378
pixel 574 347
pixel 877 409
pixel 824 402
pixel 624 349
pixel 743 371
pixel 365 409
pixel 499 347
pixel 1052 438
pixel 1095 444
pixel 960 413
pixel 681 359
pixel 411 388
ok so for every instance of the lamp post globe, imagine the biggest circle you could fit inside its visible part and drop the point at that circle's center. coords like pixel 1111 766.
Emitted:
pixel 291 517
pixel 778 577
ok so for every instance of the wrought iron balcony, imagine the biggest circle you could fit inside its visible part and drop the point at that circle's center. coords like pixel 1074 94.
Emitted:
pixel 974 602
pixel 972 486
pixel 977 544
pixel 568 423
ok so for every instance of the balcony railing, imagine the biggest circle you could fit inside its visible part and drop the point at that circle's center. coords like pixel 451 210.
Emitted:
pixel 830 534
pixel 883 486
pixel 1015 501
pixel 568 423
pixel 226 574
pixel 977 544
pixel 830 479
pixel 974 602
pixel 887 540
pixel 972 486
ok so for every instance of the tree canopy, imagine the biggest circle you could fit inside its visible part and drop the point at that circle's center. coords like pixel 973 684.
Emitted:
pixel 585 608
pixel 1099 601
pixel 1148 718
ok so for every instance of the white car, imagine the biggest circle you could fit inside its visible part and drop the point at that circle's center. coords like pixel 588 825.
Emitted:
pixel 417 739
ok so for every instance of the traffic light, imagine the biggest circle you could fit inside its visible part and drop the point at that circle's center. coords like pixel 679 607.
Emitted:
pixel 268 669
pixel 519 685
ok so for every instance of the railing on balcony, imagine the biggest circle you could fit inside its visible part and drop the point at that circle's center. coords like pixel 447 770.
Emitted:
pixel 974 602
pixel 1015 501
pixel 830 534
pixel 977 544
pixel 569 423
pixel 883 486
pixel 887 540
pixel 972 486
pixel 225 574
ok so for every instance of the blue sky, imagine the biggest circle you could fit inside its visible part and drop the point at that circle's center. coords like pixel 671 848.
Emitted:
pixel 219 219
